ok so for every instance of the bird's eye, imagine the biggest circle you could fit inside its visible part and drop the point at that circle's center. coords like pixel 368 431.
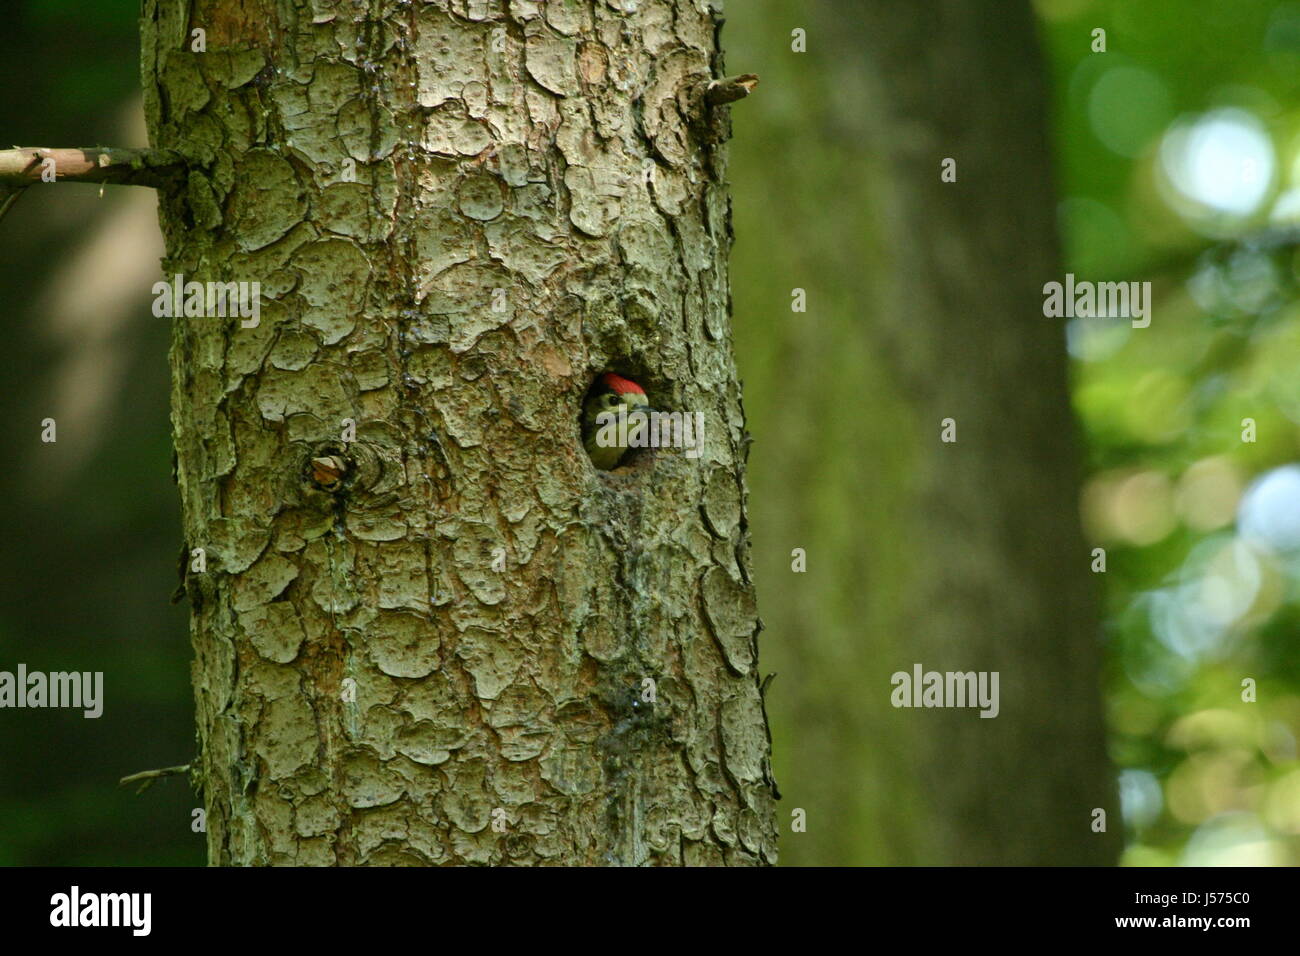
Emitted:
pixel 611 399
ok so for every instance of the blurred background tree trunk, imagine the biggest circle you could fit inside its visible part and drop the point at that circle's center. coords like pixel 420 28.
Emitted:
pixel 94 518
pixel 473 647
pixel 965 556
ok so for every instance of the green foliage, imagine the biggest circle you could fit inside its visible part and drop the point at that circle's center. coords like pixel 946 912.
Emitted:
pixel 1199 598
pixel 1193 606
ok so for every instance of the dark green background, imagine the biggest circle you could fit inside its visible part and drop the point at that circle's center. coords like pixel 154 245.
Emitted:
pixel 91 526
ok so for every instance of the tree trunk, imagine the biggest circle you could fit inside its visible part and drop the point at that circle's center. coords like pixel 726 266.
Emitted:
pixel 470 646
pixel 1009 588
pixel 924 303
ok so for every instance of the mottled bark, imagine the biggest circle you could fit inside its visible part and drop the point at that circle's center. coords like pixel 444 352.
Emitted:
pixel 540 196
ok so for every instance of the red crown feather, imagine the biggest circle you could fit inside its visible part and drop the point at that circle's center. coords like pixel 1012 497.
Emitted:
pixel 620 385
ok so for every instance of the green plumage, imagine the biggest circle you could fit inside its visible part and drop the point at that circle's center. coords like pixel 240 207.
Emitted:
pixel 600 435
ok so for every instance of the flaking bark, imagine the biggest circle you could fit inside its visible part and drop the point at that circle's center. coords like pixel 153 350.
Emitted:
pixel 536 200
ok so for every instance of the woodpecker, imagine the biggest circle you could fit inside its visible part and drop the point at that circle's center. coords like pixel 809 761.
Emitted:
pixel 610 397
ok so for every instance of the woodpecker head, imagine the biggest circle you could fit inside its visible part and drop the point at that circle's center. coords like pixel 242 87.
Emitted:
pixel 611 398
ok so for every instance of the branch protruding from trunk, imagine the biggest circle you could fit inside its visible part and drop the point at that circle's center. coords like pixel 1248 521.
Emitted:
pixel 127 167
pixel 730 89
pixel 148 777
